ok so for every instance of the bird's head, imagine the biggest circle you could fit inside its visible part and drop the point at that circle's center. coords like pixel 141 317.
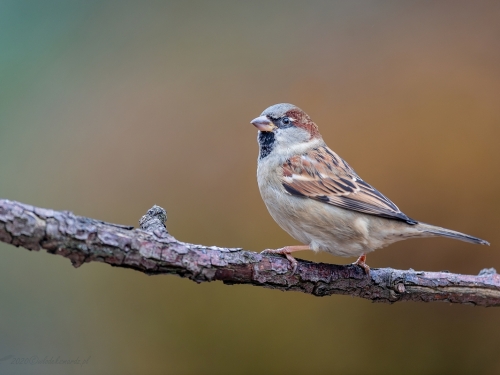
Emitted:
pixel 283 126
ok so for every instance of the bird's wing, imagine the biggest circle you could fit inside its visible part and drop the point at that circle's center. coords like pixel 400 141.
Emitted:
pixel 322 175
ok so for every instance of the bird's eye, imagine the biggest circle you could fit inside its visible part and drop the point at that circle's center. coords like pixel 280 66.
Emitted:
pixel 285 121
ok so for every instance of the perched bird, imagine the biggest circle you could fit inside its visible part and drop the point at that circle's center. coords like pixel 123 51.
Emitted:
pixel 319 199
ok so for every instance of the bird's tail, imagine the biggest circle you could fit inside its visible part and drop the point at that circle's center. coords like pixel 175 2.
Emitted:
pixel 438 231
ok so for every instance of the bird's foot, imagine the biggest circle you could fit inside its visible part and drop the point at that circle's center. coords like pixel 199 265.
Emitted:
pixel 361 262
pixel 286 251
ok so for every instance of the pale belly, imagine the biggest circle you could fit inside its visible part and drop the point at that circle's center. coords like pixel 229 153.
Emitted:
pixel 328 228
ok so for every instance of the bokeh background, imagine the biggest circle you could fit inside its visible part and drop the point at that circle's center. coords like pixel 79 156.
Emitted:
pixel 107 108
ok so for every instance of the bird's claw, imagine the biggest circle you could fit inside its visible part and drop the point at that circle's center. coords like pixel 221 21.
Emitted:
pixel 361 263
pixel 291 259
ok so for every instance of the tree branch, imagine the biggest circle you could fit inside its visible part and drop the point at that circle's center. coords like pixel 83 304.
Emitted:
pixel 152 250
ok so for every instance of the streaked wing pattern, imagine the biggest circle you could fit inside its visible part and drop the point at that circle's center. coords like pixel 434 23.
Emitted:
pixel 322 175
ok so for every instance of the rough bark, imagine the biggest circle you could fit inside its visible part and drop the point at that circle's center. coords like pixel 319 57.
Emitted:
pixel 152 250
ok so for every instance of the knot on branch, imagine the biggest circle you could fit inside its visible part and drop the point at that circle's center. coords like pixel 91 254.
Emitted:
pixel 487 272
pixel 154 221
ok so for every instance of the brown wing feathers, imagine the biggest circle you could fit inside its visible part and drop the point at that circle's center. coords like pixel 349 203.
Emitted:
pixel 322 175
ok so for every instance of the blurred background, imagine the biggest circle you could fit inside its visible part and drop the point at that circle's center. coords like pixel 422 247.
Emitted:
pixel 107 108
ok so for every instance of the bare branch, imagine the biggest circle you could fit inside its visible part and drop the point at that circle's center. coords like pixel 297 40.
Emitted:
pixel 153 250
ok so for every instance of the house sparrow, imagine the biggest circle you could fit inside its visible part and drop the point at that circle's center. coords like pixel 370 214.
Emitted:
pixel 319 199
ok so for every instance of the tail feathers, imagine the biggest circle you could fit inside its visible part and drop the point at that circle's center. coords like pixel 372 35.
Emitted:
pixel 438 231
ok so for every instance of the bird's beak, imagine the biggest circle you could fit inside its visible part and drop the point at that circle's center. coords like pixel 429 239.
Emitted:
pixel 263 124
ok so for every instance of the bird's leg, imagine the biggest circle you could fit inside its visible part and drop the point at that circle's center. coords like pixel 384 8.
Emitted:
pixel 286 251
pixel 361 262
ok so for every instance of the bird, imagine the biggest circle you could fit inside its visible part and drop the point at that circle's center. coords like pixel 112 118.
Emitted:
pixel 315 196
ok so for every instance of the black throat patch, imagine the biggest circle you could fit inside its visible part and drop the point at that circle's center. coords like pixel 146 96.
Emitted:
pixel 266 143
